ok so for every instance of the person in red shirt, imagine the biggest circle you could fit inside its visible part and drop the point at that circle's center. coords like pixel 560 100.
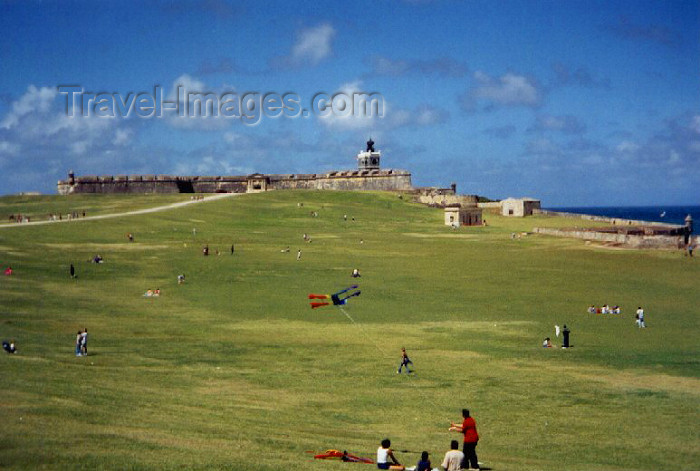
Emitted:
pixel 471 438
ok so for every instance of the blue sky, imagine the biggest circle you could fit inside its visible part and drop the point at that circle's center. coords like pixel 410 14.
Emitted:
pixel 579 103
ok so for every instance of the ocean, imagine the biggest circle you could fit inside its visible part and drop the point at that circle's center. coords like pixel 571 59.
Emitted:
pixel 667 214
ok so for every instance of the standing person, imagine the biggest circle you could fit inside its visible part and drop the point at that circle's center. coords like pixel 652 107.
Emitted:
pixel 405 361
pixel 640 317
pixel 471 438
pixel 78 340
pixel 72 271
pixel 453 458
pixel 384 454
pixel 565 337
pixel 83 343
pixel 233 249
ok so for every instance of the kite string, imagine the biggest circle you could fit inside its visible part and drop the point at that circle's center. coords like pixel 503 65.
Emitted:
pixel 386 354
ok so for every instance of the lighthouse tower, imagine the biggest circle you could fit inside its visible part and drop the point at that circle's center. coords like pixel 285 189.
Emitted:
pixel 369 159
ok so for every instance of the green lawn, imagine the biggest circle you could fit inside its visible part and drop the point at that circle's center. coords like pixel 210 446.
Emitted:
pixel 233 370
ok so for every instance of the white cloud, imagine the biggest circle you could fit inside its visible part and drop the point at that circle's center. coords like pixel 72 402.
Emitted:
pixel 38 137
pixel 199 105
pixel 34 100
pixel 392 117
pixel 9 148
pixel 313 45
pixel 122 137
pixel 565 124
pixel 627 147
pixel 507 90
pixel 444 66
pixel 695 124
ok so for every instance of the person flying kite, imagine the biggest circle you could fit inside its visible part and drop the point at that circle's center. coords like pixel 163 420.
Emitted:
pixel 335 298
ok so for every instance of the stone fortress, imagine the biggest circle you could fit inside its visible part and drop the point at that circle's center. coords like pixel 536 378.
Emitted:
pixel 459 209
pixel 368 176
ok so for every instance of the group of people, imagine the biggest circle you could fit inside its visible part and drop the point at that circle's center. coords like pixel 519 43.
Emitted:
pixel 205 250
pixel 604 309
pixel 9 347
pixel 454 459
pixel 153 292
pixel 81 343
pixel 565 334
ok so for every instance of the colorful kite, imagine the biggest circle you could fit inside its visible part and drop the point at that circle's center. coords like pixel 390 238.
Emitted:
pixel 335 298
pixel 344 456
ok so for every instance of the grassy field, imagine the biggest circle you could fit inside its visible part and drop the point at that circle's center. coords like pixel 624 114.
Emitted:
pixel 232 370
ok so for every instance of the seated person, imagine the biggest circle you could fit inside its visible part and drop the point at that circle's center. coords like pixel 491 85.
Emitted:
pixel 384 454
pixel 180 279
pixel 591 309
pixel 453 458
pixel 356 273
pixel 424 463
pixel 616 310
pixel 148 293
pixel 9 347
pixel 156 292
pixel 8 271
pixel 547 343
pixel 97 259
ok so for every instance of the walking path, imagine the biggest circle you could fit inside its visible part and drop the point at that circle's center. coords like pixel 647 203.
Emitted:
pixel 218 196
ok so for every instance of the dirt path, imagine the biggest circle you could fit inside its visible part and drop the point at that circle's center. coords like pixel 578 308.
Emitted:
pixel 127 213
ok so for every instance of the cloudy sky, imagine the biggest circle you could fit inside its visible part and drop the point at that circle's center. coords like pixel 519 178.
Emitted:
pixel 579 103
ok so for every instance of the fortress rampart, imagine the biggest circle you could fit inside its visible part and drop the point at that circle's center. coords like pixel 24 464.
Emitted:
pixel 346 180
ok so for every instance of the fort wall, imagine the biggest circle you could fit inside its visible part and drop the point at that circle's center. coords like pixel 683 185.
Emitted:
pixel 639 241
pixel 383 180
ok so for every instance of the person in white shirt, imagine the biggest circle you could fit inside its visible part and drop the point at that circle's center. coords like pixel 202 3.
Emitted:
pixel 453 458
pixel 640 317
pixel 384 454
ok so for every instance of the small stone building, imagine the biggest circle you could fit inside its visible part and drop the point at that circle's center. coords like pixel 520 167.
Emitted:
pixel 457 215
pixel 519 207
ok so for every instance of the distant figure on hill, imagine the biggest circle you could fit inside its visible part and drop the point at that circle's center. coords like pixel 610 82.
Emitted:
pixel 72 271
pixel 565 337
pixel 83 342
pixel 78 341
pixel 9 347
pixel 233 249
pixel 640 318
pixel 405 361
